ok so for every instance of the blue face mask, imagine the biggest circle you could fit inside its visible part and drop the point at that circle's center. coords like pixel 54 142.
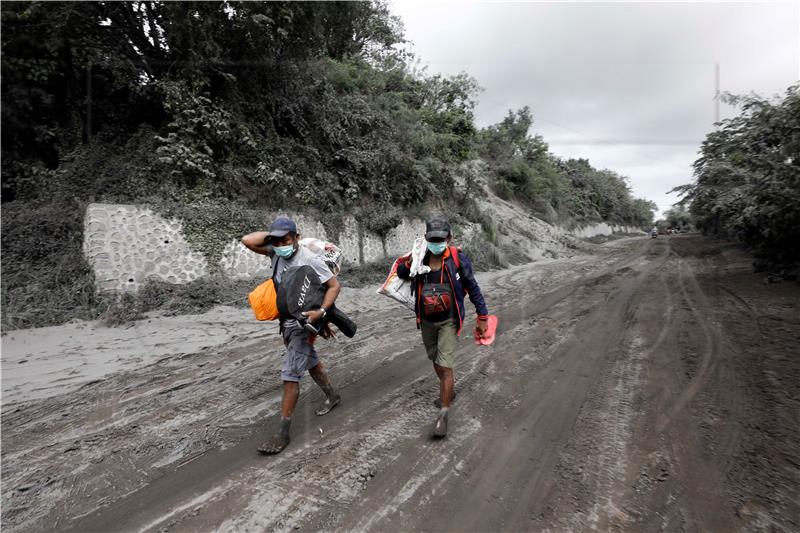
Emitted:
pixel 284 251
pixel 437 248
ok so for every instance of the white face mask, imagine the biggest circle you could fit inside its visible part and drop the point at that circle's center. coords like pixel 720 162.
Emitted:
pixel 284 251
pixel 437 248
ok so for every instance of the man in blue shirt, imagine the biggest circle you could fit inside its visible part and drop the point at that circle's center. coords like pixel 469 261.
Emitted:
pixel 439 305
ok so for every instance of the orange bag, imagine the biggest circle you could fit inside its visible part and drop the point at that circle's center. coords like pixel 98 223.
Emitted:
pixel 264 301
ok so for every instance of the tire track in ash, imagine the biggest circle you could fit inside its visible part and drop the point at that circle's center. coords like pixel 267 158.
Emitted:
pixel 708 355
pixel 594 464
pixel 613 429
pixel 578 361
pixel 711 350
pixel 689 420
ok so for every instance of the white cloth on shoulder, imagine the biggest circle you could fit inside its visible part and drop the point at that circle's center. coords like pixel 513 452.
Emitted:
pixel 417 256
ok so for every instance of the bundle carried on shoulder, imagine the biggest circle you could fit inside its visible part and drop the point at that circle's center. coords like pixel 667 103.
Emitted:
pixel 400 289
pixel 331 254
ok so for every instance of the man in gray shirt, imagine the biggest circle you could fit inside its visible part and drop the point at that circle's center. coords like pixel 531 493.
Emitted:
pixel 281 242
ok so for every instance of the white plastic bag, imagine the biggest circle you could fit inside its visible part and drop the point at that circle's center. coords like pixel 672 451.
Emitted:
pixel 398 289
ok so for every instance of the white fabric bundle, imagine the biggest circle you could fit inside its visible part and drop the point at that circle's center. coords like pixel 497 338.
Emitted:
pixel 417 255
pixel 331 254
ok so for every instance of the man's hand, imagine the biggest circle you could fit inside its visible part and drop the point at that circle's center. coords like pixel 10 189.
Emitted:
pixel 313 316
pixel 481 327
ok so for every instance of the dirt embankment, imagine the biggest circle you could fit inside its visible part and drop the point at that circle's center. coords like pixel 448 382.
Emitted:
pixel 651 386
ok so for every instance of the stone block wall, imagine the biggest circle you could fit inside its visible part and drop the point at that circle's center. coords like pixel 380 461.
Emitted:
pixel 401 238
pixel 238 262
pixel 127 244
pixel 349 241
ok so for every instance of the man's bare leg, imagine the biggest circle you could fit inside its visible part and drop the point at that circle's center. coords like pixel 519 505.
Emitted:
pixel 276 444
pixel 446 384
pixel 332 398
pixel 440 371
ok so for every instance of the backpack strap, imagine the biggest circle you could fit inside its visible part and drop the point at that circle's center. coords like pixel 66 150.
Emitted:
pixel 456 260
pixel 457 263
pixel 275 270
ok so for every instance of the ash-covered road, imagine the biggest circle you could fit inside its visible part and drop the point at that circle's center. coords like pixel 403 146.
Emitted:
pixel 650 386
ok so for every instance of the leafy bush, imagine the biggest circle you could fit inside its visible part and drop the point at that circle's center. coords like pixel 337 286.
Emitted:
pixel 561 192
pixel 46 279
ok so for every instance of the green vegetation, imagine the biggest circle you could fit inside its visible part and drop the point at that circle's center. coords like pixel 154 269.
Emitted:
pixel 565 192
pixel 748 179
pixel 219 111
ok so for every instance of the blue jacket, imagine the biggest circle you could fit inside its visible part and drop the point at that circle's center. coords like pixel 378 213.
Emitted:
pixel 462 281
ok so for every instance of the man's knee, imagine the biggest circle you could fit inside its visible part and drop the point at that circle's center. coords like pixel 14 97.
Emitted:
pixel 445 371
pixel 442 371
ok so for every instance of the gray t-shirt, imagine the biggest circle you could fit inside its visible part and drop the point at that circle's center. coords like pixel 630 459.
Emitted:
pixel 302 257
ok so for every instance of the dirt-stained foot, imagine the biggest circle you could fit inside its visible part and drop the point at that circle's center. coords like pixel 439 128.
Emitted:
pixel 328 405
pixel 274 445
pixel 440 427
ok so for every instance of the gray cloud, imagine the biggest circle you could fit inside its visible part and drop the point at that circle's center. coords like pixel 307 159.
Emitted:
pixel 600 74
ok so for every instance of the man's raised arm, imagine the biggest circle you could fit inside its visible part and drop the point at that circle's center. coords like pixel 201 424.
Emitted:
pixel 257 242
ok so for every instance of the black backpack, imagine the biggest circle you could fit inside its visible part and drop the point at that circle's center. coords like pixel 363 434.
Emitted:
pixel 299 291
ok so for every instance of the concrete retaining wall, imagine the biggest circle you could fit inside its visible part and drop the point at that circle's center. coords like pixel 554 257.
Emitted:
pixel 127 244
pixel 601 229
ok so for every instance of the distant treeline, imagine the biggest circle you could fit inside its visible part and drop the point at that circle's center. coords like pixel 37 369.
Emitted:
pixel 748 179
pixel 281 103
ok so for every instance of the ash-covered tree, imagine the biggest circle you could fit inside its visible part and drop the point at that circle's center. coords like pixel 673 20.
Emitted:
pixel 747 183
pixel 225 98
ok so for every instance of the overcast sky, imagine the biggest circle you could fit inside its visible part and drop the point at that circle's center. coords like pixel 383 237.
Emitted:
pixel 630 86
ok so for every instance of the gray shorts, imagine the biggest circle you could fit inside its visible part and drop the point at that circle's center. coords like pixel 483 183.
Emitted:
pixel 300 353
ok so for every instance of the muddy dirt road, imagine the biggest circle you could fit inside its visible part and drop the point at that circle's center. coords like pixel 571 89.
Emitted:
pixel 653 385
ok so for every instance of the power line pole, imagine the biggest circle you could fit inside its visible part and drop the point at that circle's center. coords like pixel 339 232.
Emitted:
pixel 716 92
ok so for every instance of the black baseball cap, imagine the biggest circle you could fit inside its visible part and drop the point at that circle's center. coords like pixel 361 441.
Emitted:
pixel 281 226
pixel 437 227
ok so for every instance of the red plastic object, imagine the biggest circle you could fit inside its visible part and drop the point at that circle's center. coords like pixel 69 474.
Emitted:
pixel 491 328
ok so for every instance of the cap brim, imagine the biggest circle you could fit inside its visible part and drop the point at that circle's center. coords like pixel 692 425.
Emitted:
pixel 440 234
pixel 277 233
